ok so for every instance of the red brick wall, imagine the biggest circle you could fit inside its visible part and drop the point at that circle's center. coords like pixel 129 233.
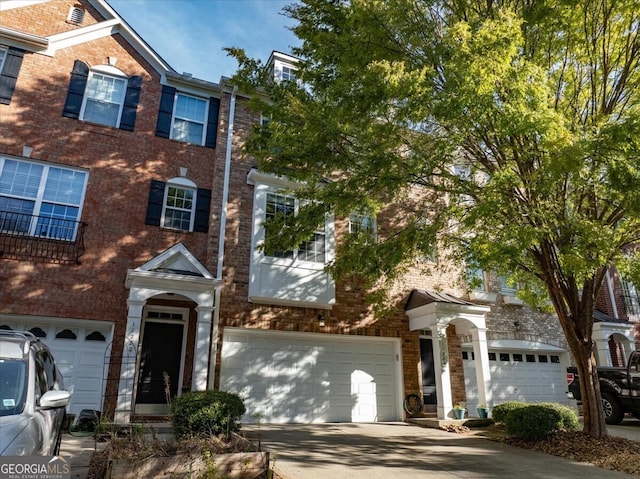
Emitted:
pixel 120 166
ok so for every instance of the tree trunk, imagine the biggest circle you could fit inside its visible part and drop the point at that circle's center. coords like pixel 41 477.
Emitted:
pixel 594 421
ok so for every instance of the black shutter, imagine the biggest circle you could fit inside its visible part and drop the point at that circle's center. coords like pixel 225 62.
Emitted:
pixel 131 98
pixel 73 103
pixel 156 200
pixel 203 205
pixel 9 76
pixel 212 123
pixel 163 126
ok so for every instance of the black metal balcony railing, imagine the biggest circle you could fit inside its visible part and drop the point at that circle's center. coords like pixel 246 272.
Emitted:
pixel 40 237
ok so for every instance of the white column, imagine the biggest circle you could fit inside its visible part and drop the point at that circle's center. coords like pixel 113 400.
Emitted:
pixel 201 352
pixel 126 386
pixel 483 370
pixel 441 368
pixel 603 356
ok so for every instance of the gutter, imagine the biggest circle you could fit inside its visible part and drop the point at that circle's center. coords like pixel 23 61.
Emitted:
pixel 221 240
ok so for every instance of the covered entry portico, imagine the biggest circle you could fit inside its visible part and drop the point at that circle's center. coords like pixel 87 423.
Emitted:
pixel 434 311
pixel 161 336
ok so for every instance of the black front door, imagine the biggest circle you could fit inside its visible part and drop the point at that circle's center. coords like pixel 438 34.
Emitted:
pixel 160 356
pixel 429 395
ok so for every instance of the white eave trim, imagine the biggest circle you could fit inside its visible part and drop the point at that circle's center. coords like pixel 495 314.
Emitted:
pixel 255 176
pixel 290 302
pixel 178 281
pixel 189 83
pixel 26 41
pixel 81 35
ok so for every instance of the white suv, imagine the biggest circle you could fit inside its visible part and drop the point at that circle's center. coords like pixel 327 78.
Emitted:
pixel 32 397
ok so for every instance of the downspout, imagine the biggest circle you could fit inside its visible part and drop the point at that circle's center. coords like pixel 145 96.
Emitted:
pixel 223 227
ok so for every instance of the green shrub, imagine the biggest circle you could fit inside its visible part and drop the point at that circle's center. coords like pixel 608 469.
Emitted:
pixel 206 413
pixel 499 411
pixel 535 421
pixel 471 423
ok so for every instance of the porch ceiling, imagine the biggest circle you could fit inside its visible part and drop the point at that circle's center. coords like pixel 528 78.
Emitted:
pixel 428 309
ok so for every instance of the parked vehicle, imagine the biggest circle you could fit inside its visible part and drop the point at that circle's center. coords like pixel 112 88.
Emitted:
pixel 32 397
pixel 620 389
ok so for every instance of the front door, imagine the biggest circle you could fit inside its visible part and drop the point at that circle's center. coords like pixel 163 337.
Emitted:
pixel 159 372
pixel 429 396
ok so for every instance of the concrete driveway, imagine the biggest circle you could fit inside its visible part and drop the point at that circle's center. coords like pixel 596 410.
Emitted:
pixel 389 450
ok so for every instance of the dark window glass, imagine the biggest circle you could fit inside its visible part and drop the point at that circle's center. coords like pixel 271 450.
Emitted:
pixel 517 357
pixel 465 355
pixel 555 359
pixel 504 356
pixel 531 358
pixel 542 358
pixel 492 356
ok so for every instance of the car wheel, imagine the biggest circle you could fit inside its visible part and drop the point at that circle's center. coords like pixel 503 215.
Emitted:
pixel 613 413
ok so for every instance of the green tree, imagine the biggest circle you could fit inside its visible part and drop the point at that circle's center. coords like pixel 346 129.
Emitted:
pixel 516 122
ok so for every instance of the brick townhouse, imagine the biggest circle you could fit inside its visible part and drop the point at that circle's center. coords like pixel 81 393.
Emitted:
pixel 130 223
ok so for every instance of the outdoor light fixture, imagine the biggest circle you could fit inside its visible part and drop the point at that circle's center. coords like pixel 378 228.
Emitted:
pixel 517 325
pixel 321 320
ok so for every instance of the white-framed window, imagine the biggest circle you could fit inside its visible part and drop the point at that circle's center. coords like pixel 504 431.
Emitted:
pixel 189 122
pixel 178 211
pixel 476 279
pixel 104 98
pixel 313 250
pixel 3 57
pixel 38 199
pixel 631 298
pixel 364 225
pixel 288 73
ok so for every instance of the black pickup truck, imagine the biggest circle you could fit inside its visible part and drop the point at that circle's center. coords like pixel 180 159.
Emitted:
pixel 620 388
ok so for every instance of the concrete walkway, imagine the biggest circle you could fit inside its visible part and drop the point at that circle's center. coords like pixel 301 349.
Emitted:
pixel 389 450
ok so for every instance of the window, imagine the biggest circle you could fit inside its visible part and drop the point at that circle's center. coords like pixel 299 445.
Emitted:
pixel 312 250
pixel 631 299
pixel 104 99
pixel 288 74
pixel 504 356
pixel 37 199
pixel 178 207
pixel 178 204
pixel 103 95
pixel 506 287
pixel 476 279
pixel 363 225
pixel 189 119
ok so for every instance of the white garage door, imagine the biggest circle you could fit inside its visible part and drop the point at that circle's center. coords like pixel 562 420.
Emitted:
pixel 529 376
pixel 79 350
pixel 305 377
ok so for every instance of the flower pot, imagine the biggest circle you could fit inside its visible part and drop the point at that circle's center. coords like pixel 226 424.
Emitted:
pixel 459 413
pixel 483 412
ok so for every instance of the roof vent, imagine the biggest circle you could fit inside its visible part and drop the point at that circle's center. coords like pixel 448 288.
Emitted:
pixel 76 15
pixel 187 74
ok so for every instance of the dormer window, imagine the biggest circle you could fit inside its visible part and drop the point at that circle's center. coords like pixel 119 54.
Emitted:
pixel 288 74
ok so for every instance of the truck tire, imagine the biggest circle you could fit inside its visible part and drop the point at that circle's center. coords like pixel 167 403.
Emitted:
pixel 613 413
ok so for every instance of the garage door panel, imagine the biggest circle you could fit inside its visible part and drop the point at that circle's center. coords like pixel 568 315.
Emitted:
pixel 322 379
pixel 518 380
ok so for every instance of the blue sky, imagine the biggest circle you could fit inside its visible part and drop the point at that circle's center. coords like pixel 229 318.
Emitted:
pixel 190 34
